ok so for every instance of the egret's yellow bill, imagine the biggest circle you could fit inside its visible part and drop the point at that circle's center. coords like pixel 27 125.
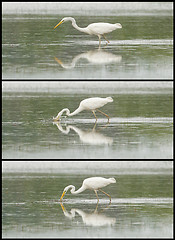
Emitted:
pixel 58 24
pixel 62 196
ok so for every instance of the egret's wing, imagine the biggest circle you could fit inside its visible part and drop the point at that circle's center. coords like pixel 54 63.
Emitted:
pixel 93 103
pixel 101 28
pixel 96 182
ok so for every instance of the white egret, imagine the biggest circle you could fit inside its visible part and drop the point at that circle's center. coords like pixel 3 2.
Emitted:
pixel 92 183
pixel 98 29
pixel 91 104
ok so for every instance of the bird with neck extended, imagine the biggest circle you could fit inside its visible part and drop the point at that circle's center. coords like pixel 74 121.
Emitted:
pixel 98 29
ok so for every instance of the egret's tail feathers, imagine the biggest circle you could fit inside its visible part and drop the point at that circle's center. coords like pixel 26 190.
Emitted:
pixel 112 180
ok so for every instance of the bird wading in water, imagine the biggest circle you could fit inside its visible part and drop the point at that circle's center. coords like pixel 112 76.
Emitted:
pixel 98 29
pixel 92 183
pixel 90 104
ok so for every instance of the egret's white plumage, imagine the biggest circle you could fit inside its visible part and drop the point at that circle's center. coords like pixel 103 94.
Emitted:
pixel 98 29
pixel 90 104
pixel 92 183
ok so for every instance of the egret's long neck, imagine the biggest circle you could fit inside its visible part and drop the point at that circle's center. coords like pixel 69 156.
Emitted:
pixel 78 191
pixel 79 109
pixel 77 27
pixel 62 111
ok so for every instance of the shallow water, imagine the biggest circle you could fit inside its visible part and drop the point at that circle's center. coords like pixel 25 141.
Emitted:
pixel 142 49
pixel 140 126
pixel 141 206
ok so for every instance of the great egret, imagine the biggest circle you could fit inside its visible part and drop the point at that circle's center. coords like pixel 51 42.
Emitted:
pixel 98 29
pixel 91 104
pixel 92 183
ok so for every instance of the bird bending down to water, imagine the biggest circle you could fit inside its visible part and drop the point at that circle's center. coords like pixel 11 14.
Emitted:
pixel 91 104
pixel 92 183
pixel 98 29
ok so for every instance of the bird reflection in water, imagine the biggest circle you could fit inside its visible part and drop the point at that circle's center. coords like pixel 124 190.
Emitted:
pixel 89 137
pixel 97 56
pixel 96 218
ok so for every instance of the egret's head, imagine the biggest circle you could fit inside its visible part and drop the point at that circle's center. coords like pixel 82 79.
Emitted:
pixel 112 180
pixel 109 99
pixel 118 25
pixel 65 19
pixel 65 191
pixel 57 118
pixel 62 21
